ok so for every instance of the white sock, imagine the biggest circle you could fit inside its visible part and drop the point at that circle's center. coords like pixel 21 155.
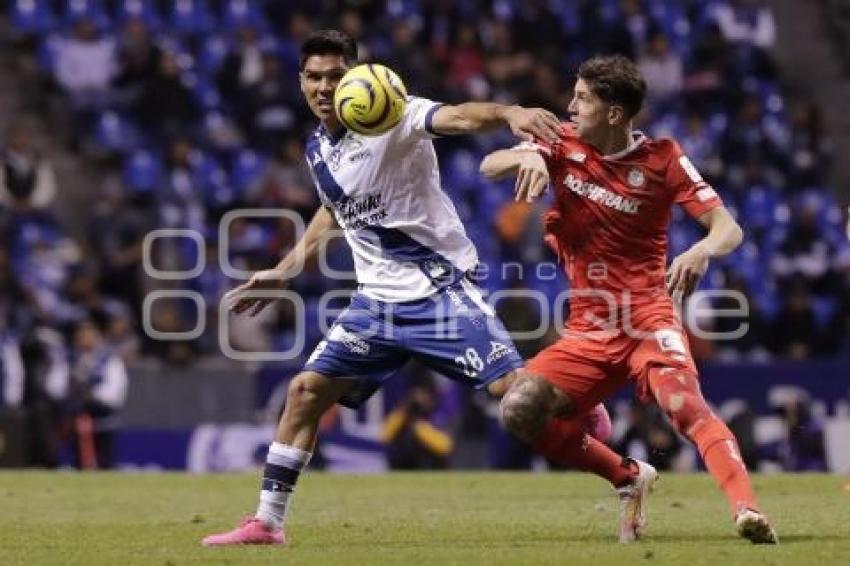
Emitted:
pixel 283 466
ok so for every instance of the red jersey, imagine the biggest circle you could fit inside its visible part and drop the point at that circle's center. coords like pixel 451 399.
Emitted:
pixel 611 212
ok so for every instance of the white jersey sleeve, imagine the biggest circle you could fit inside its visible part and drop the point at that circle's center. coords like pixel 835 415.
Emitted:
pixel 417 119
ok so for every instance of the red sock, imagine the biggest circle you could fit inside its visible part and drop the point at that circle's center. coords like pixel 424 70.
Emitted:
pixel 723 460
pixel 566 443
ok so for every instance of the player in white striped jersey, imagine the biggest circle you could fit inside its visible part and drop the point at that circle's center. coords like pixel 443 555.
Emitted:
pixel 412 259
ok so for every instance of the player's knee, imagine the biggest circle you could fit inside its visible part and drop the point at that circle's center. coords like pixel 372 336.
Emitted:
pixel 305 393
pixel 679 396
pixel 499 387
pixel 527 407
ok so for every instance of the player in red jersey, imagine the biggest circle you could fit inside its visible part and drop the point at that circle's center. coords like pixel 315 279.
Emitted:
pixel 614 189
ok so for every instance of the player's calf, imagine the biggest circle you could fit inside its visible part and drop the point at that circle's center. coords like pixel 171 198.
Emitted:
pixel 309 396
pixel 678 394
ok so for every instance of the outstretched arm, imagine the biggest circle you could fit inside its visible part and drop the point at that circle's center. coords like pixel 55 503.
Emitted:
pixel 474 117
pixel 532 176
pixel 724 235
pixel 277 278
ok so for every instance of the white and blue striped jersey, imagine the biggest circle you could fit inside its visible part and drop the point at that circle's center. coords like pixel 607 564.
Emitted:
pixel 385 193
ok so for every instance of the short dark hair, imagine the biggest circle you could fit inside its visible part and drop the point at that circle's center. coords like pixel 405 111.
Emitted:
pixel 329 42
pixel 616 80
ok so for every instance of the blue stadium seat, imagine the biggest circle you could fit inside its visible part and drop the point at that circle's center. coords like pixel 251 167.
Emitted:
pixel 213 182
pixel 771 96
pixel 206 92
pixel 190 17
pixel 462 168
pixel 824 309
pixel 673 21
pixel 759 206
pixel 144 10
pixel 32 16
pixel 819 200
pixel 608 11
pixel 113 132
pixel 403 9
pixel 718 123
pixel 493 196
pixel 212 53
pixel 681 236
pixel 242 13
pixel 768 302
pixel 76 10
pixel 747 261
pixel 48 50
pixel 142 171
pixel 247 166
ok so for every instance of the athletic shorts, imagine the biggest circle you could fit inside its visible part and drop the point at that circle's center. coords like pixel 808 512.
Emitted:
pixel 453 332
pixel 590 365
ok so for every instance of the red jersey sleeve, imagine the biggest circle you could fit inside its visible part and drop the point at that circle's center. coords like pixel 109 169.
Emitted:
pixel 690 190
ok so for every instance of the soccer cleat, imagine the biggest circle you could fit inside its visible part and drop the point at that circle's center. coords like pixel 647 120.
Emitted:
pixel 632 502
pixel 754 526
pixel 251 530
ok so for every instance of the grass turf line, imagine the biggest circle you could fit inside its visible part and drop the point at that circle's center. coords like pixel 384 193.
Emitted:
pixel 413 518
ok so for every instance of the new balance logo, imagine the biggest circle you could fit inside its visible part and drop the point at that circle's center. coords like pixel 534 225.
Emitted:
pixel 497 351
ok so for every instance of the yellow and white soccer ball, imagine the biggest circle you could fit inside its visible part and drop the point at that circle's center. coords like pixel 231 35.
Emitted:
pixel 370 99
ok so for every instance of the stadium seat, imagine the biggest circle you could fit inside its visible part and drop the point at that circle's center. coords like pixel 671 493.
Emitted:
pixel 240 13
pixel 142 171
pixel 32 16
pixel 246 169
pixel 144 10
pixel 212 53
pixel 461 172
pixel 48 50
pixel 759 206
pixel 205 91
pixel 190 17
pixel 76 10
pixel 212 180
pixel 824 309
pixel 114 133
pixel 768 302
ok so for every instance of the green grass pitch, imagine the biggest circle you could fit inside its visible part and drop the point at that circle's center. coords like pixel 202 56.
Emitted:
pixel 416 518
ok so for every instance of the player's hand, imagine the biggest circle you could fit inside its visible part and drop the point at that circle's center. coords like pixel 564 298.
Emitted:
pixel 528 123
pixel 686 271
pixel 532 177
pixel 241 299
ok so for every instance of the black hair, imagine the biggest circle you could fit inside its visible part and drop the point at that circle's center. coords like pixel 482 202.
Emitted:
pixel 329 42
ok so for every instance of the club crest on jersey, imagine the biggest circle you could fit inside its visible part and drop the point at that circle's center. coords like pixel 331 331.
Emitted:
pixel 577 156
pixel 347 145
pixel 636 178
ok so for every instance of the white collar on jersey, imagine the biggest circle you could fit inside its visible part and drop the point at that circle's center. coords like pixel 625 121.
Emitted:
pixel 638 138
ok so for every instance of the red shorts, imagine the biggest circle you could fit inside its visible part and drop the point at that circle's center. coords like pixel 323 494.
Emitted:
pixel 590 365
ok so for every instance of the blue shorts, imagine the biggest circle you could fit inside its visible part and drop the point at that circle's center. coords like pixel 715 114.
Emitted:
pixel 453 332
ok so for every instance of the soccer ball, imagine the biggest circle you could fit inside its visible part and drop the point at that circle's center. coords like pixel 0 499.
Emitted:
pixel 370 99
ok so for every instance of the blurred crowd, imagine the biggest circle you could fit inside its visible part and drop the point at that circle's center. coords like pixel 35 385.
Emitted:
pixel 196 106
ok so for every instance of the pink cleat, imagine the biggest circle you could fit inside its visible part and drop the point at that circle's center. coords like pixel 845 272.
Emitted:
pixel 251 530
pixel 597 423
